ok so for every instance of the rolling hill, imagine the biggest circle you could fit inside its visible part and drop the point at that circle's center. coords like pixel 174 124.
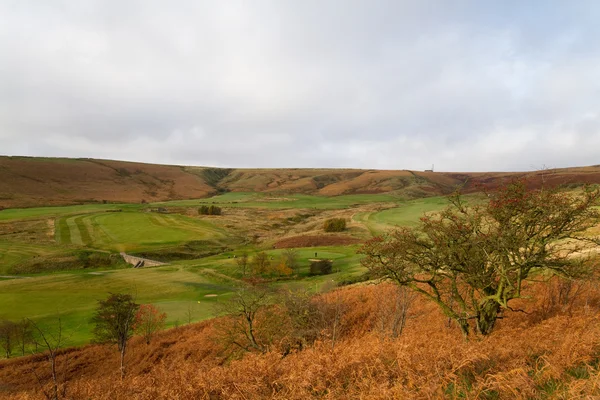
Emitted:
pixel 35 181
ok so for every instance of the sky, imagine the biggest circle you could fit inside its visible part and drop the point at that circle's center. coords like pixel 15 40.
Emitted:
pixel 465 85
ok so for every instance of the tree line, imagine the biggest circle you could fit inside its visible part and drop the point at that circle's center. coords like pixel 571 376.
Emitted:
pixel 261 264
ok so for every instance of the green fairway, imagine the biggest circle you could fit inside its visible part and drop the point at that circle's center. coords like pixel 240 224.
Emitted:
pixel 407 214
pixel 67 237
pixel 46 212
pixel 262 200
pixel 74 295
pixel 127 231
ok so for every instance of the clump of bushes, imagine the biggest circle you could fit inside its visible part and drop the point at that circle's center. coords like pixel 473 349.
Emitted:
pixel 321 267
pixel 334 225
pixel 209 210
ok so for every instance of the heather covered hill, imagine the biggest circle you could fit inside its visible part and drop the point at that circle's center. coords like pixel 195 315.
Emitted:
pixel 548 351
pixel 27 182
pixel 35 181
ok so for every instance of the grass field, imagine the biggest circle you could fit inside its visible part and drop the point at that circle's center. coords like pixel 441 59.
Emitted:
pixel 262 200
pixel 56 233
pixel 127 231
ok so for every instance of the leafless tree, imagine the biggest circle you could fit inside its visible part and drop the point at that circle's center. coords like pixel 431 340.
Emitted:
pixel 24 334
pixel 51 340
pixel 242 262
pixel 240 328
pixel 8 331
pixel 291 259
pixel 393 308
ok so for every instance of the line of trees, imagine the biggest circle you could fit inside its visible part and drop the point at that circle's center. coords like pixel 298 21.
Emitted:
pixel 209 210
pixel 262 264
pixel 16 336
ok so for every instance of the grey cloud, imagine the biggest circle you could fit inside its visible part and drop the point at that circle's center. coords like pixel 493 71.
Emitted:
pixel 384 84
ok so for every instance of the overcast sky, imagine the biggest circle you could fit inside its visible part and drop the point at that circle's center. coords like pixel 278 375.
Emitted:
pixel 465 85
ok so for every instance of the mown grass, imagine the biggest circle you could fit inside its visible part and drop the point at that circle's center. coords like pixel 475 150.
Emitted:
pixel 274 201
pixel 48 212
pixel 74 295
pixel 179 288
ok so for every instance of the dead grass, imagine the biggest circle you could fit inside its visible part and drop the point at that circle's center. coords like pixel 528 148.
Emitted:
pixel 555 355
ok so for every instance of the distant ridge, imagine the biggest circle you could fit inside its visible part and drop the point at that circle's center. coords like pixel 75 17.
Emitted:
pixel 37 181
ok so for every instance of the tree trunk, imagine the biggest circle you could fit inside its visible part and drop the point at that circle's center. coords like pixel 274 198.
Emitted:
pixel 123 362
pixel 463 324
pixel 487 316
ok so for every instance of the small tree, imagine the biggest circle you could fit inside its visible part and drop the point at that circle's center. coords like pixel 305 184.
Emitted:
pixel 334 225
pixel 291 259
pixel 51 339
pixel 242 262
pixel 282 268
pixel 209 210
pixel 24 334
pixel 305 315
pixel 393 306
pixel 8 333
pixel 321 267
pixel 114 321
pixel 148 320
pixel 261 263
pixel 243 310
pixel 214 210
pixel 472 260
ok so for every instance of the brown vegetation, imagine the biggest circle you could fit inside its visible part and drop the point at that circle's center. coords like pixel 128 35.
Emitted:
pixel 29 181
pixel 552 351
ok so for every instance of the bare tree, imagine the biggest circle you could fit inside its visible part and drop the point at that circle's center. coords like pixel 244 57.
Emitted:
pixel 393 306
pixel 190 312
pixel 242 262
pixel 24 334
pixel 331 310
pixel 291 259
pixel 305 318
pixel 8 331
pixel 261 263
pixel 52 339
pixel 241 328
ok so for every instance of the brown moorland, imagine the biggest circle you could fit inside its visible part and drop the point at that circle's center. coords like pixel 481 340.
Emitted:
pixel 35 181
pixel 549 351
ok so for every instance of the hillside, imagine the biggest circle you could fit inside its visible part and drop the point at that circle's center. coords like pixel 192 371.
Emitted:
pixel 549 352
pixel 34 181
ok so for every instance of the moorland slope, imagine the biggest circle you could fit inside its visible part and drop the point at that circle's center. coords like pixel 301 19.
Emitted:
pixel 35 181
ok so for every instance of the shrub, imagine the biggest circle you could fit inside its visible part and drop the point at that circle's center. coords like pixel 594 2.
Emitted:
pixel 209 210
pixel 334 225
pixel 321 267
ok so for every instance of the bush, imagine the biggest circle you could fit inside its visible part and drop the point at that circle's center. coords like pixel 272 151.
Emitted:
pixel 321 267
pixel 334 225
pixel 209 210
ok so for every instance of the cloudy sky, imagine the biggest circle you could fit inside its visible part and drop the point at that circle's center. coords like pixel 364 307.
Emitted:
pixel 467 85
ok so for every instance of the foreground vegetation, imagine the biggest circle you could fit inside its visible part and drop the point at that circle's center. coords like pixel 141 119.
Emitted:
pixel 549 352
